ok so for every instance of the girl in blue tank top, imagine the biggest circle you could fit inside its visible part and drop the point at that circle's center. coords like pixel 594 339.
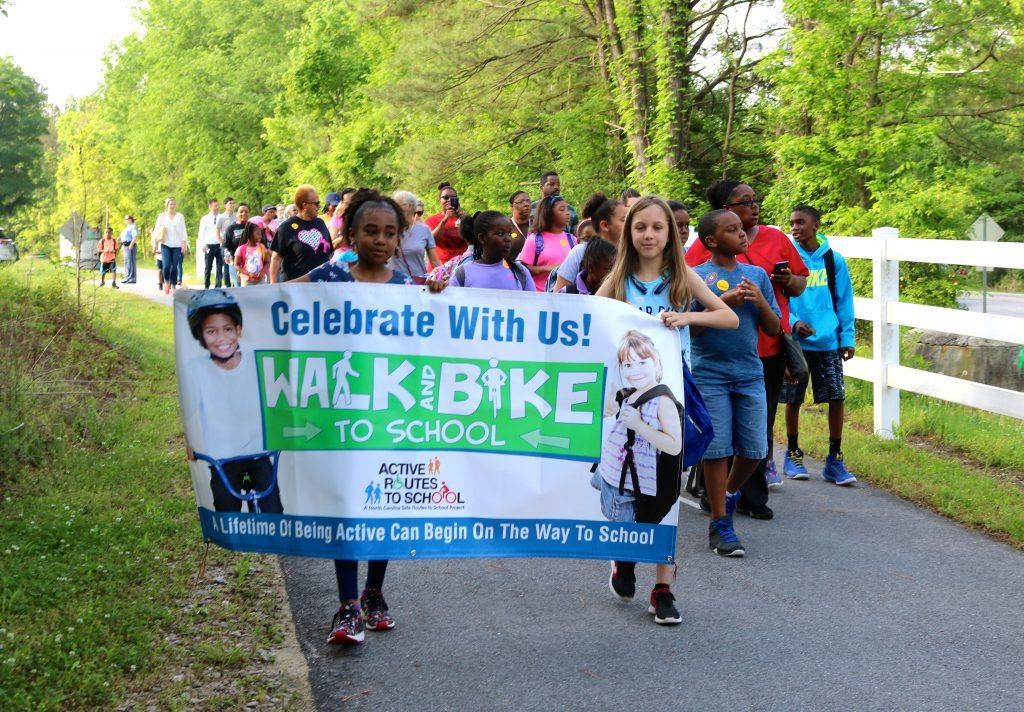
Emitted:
pixel 651 274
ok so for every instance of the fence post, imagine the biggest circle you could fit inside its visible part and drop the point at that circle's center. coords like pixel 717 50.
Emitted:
pixel 885 288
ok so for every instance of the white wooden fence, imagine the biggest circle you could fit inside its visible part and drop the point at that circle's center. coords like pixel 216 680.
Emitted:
pixel 887 313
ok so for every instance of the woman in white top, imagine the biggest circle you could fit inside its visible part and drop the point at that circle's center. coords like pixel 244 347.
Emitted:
pixel 170 238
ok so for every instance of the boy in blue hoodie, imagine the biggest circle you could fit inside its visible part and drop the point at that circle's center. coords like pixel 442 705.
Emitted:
pixel 822 320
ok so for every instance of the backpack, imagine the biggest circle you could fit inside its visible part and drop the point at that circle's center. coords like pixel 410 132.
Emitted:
pixel 830 276
pixel 698 431
pixel 517 269
pixel 652 508
pixel 539 248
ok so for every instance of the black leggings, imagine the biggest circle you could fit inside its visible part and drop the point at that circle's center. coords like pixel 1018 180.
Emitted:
pixel 347 573
pixel 755 490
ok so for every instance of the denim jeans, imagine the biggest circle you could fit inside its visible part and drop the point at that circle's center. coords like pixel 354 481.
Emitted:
pixel 170 258
pixel 739 415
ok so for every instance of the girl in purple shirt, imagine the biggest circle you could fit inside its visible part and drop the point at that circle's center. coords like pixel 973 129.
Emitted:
pixel 490 234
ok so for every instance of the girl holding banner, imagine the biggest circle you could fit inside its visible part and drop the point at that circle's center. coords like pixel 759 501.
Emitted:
pixel 651 274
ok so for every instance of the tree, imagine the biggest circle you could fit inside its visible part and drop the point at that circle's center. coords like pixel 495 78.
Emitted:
pixel 23 123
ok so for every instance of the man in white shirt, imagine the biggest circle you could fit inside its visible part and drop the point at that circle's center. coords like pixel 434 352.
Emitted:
pixel 223 221
pixel 209 243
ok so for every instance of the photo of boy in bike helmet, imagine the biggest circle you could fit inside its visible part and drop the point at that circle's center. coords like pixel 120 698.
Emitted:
pixel 218 399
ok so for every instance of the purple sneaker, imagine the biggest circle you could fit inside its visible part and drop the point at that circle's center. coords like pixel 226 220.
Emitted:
pixel 771 475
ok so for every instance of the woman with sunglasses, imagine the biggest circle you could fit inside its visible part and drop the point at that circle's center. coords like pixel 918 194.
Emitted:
pixel 770 249
pixel 519 203
pixel 416 246
pixel 302 242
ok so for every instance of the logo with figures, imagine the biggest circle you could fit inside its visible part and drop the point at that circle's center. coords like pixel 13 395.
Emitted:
pixel 411 486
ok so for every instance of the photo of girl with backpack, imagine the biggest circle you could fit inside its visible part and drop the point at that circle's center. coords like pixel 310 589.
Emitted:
pixel 638 474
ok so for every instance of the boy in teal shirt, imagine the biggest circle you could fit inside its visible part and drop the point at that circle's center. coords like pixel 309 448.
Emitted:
pixel 822 320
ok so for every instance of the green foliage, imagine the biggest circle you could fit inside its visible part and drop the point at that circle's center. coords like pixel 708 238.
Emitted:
pixel 22 127
pixel 879 112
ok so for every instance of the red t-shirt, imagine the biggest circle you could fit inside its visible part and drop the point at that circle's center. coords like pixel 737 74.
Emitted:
pixel 770 246
pixel 449 242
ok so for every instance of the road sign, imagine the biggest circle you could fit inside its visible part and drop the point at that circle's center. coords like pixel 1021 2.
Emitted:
pixel 985 229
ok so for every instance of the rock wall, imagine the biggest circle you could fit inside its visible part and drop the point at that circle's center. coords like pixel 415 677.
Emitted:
pixel 970 358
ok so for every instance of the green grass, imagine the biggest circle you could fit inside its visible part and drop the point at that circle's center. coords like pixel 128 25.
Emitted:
pixel 987 439
pixel 99 539
pixel 949 485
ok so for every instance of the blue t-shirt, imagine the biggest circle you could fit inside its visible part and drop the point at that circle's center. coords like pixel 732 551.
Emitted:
pixel 338 272
pixel 652 298
pixel 730 355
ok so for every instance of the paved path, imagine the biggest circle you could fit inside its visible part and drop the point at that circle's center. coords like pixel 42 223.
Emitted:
pixel 849 599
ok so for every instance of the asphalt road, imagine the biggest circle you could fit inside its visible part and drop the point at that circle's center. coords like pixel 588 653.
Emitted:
pixel 849 599
pixel 1004 303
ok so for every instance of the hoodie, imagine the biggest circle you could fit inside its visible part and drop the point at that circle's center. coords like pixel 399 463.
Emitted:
pixel 832 330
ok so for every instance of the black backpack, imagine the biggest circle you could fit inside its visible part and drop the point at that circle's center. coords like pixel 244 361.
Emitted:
pixel 652 509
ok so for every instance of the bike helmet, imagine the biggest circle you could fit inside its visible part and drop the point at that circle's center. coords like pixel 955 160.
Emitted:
pixel 211 301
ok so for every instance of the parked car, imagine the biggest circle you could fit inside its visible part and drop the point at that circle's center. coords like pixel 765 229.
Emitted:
pixel 8 248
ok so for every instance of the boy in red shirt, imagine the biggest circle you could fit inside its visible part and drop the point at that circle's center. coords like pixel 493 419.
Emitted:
pixel 106 248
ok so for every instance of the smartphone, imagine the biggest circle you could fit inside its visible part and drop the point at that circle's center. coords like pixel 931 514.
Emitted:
pixel 453 203
pixel 779 266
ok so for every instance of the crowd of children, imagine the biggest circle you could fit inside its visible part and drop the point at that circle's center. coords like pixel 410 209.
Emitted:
pixel 742 296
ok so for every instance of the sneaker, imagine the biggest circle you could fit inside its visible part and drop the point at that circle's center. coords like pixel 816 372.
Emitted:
pixel 167 287
pixel 793 465
pixel 622 586
pixel 763 513
pixel 722 538
pixel 663 607
pixel 731 502
pixel 348 626
pixel 835 471
pixel 376 610
pixel 771 475
pixel 114 286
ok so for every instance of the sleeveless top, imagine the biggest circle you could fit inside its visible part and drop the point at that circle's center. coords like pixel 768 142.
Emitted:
pixel 645 455
pixel 654 304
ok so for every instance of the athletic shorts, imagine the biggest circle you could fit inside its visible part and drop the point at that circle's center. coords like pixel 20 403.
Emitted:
pixel 108 267
pixel 826 369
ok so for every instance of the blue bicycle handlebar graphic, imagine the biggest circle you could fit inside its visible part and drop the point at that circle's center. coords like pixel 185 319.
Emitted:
pixel 251 496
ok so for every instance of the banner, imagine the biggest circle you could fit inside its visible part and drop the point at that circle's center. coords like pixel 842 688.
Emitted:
pixel 364 421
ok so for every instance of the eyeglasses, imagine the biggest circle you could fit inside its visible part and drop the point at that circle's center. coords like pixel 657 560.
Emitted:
pixel 745 203
pixel 312 202
pixel 420 213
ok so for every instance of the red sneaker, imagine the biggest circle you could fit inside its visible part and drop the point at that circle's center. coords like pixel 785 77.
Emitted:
pixel 348 626
pixel 376 610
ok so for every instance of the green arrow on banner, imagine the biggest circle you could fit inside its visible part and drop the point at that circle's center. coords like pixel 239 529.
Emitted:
pixel 309 431
pixel 535 439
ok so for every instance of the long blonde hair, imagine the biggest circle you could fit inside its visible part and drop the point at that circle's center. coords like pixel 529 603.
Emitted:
pixel 673 261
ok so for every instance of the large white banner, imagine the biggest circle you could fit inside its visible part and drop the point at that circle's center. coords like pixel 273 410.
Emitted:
pixel 383 422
